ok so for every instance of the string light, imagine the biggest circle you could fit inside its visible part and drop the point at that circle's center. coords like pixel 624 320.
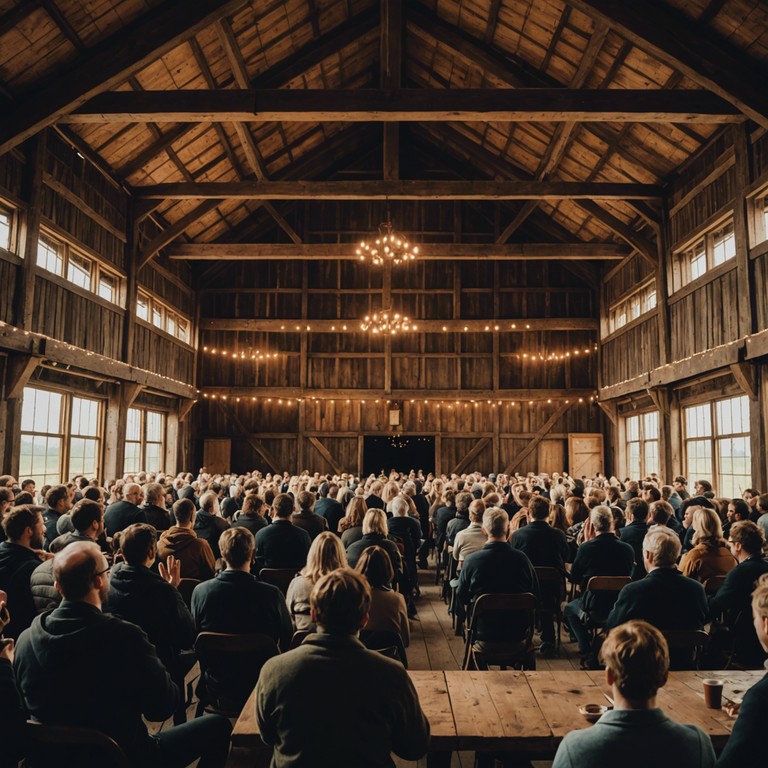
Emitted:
pixel 386 323
pixel 236 355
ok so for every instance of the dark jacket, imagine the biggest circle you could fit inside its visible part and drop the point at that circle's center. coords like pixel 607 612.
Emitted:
pixel 459 523
pixel 229 507
pixel 442 517
pixel 195 555
pixel 60 664
pixel 312 523
pixel 12 718
pixel 391 720
pixel 17 563
pixel 254 523
pixel 497 568
pixel 67 538
pixel 282 545
pixel 50 518
pixel 332 511
pixel 375 540
pixel 633 534
pixel 120 515
pixel 144 598
pixel 744 747
pixel 544 545
pixel 158 517
pixel 209 528
pixel 43 588
pixel 422 507
pixel 408 530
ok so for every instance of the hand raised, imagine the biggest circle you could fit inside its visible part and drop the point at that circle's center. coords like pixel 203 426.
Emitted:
pixel 171 572
pixel 5 617
pixel 6 649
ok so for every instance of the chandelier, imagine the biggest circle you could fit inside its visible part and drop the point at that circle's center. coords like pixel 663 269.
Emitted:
pixel 390 246
pixel 386 323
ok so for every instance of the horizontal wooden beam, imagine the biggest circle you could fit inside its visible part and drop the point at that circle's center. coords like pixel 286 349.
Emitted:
pixel 400 190
pixel 432 252
pixel 422 326
pixel 481 395
pixel 66 356
pixel 408 104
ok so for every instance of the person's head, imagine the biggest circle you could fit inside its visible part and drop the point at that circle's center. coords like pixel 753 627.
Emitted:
pixel 463 500
pixel 375 521
pixel 760 610
pixel 399 506
pixel 306 501
pixel 8 481
pixel 6 499
pixel 738 509
pixel 557 518
pixel 496 524
pixel 88 518
pixel 28 485
pixel 376 565
pixel 637 510
pixel 340 601
pixel 184 512
pixel 24 526
pixel 138 543
pixel 538 508
pixel 702 487
pixel 154 493
pixel 94 493
pixel 209 503
pixel 132 492
pixel 23 497
pixel 601 518
pixel 709 529
pixel 660 512
pixel 237 545
pixel 477 509
pixel 636 660
pixel 651 493
pixel 58 499
pixel 283 506
pixel 325 555
pixel 576 510
pixel 252 505
pixel 746 540
pixel 661 548
pixel 81 573
pixel 760 502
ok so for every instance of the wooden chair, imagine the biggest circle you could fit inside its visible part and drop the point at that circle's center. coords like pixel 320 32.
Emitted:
pixel 552 590
pixel 229 669
pixel 55 744
pixel 693 641
pixel 279 577
pixel 594 618
pixel 299 637
pixel 186 588
pixel 521 654
pixel 389 644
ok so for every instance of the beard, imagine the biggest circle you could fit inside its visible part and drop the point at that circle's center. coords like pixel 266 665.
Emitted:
pixel 36 542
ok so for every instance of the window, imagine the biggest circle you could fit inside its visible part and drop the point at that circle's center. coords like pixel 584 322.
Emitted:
pixel 153 311
pixel 717 445
pixel 84 272
pixel 144 440
pixel 714 248
pixel 6 226
pixel 632 307
pixel 59 436
pixel 642 437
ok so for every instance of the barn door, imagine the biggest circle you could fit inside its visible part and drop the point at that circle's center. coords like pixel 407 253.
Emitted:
pixel 585 454
pixel 217 455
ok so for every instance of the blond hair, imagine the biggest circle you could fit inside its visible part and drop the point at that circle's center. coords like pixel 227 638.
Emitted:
pixel 356 510
pixel 325 555
pixel 760 597
pixel 375 521
pixel 709 529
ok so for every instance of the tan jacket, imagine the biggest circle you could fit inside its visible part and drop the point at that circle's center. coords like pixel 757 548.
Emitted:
pixel 195 555
pixel 702 562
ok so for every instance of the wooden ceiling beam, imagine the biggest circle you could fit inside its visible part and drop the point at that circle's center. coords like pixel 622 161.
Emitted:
pixel 434 252
pixel 690 47
pixel 400 190
pixel 391 33
pixel 481 395
pixel 109 63
pixel 546 104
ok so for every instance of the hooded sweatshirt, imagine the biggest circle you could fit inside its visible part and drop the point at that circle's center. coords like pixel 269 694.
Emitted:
pixel 210 528
pixel 61 662
pixel 16 566
pixel 195 555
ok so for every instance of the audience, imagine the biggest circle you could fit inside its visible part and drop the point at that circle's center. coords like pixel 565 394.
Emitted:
pixel 472 538
pixel 209 524
pixel 306 518
pixel 120 514
pixel 327 506
pixel 252 514
pixel 180 542
pixel 709 555
pixel 375 534
pixel 59 502
pixel 351 525
pixel 336 663
pixel 154 507
pixel 12 714
pixel 634 533
pixel 282 544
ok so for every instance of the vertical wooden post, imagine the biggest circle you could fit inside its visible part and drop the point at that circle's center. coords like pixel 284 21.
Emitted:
pixel 456 316
pixel 303 338
pixel 132 257
pixel 391 42
pixel 386 303
pixel 300 436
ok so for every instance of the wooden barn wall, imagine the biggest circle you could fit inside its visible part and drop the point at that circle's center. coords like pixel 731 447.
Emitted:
pixel 631 351
pixel 625 280
pixel 761 296
pixel 8 270
pixel 340 425
pixel 11 172
pixel 161 353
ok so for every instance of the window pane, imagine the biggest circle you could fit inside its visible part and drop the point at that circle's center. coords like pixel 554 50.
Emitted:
pixel 154 457
pixel 633 428
pixel 698 421
pixel 39 459
pixel 82 456
pixel 107 287
pixel 699 458
pixel 182 331
pixel 41 411
pixel 132 457
pixel 157 316
pixel 651 451
pixel 5 229
pixel 732 415
pixel 697 257
pixel 651 426
pixel 49 256
pixel 735 466
pixel 85 417
pixel 171 324
pixel 79 271
pixel 633 460
pixel 142 310
pixel 133 426
pixel 154 426
pixel 649 302
pixel 724 244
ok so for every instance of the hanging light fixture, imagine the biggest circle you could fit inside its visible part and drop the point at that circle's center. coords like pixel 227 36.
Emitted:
pixel 389 247
pixel 386 323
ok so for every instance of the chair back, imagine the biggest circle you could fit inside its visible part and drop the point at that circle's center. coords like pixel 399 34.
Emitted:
pixel 48 744
pixel 713 584
pixel 608 583
pixel 386 642
pixel 685 647
pixel 504 603
pixel 186 588
pixel 279 577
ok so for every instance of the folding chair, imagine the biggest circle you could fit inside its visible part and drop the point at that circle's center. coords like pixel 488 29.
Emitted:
pixel 693 641
pixel 278 577
pixel 229 669
pixel 594 616
pixel 517 654
pixel 64 745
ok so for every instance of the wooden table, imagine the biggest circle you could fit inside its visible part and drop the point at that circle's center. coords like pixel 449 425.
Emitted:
pixel 531 712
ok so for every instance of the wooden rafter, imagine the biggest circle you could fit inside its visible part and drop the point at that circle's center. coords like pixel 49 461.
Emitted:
pixel 390 77
pixel 109 63
pixel 694 49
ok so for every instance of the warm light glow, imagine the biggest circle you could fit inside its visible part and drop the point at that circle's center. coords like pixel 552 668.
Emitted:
pixel 389 247
pixel 386 323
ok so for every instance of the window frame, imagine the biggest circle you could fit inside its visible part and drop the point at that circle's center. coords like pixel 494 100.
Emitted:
pixel 167 315
pixel 633 306
pixel 642 441
pixel 142 442
pixel 12 213
pixel 703 246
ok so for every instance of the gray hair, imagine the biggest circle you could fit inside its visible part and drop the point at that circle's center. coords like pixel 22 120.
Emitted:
pixel 153 492
pixel 495 522
pixel 602 518
pixel 664 545
pixel 398 506
pixel 209 502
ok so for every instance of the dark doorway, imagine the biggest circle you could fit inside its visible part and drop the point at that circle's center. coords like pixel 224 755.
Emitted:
pixel 399 452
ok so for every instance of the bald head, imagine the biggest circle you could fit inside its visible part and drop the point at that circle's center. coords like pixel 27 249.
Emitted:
pixel 132 492
pixel 79 571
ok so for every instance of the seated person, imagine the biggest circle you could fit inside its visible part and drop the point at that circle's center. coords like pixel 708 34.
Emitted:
pixel 251 516
pixel 325 555
pixel 209 524
pixel 634 532
pixel 59 501
pixel 636 732
pixel 328 507
pixel 126 511
pixel 152 601
pixel 664 598
pixel 235 602
pixel 375 534
pixel 472 537
pixel 709 555
pixel 388 612
pixel 306 518
pixel 13 718
pixel 408 530
pixel 743 749
pixel 461 521
pixel 180 542
pixel 154 507
pixel 336 663
pixel 733 599
pixel 601 555
pixel 282 544
pixel 60 663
